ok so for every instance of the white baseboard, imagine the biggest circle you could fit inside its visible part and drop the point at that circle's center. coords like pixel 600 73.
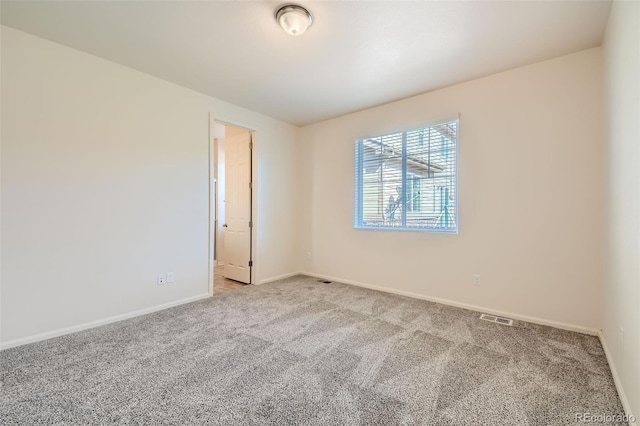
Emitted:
pixel 515 316
pixel 279 277
pixel 97 323
pixel 616 377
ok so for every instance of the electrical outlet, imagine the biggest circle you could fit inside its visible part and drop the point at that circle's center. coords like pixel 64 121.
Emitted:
pixel 170 277
pixel 162 279
pixel 476 279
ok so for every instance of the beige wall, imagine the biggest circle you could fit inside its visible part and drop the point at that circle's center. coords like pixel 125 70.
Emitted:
pixel 622 285
pixel 531 196
pixel 105 185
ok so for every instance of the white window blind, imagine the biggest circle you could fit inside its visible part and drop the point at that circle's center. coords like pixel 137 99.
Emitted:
pixel 408 180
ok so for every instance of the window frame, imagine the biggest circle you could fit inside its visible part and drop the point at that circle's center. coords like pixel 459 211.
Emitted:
pixel 358 181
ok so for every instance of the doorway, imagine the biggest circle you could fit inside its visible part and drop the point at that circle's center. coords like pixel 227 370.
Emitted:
pixel 232 230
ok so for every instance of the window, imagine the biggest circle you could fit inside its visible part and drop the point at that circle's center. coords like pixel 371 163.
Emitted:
pixel 408 180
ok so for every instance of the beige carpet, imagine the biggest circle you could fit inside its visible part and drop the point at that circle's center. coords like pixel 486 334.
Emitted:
pixel 302 352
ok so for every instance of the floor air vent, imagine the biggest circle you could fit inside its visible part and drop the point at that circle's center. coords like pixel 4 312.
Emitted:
pixel 499 320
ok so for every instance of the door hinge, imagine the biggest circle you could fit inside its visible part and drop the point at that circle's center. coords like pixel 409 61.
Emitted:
pixel 251 263
pixel 251 145
pixel 250 224
pixel 250 185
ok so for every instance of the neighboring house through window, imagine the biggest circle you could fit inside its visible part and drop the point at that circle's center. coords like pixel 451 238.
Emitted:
pixel 408 180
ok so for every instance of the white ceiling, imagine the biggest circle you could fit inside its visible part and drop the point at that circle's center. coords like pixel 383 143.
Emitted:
pixel 356 55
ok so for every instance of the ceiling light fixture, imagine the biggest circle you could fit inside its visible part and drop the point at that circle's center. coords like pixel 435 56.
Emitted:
pixel 294 19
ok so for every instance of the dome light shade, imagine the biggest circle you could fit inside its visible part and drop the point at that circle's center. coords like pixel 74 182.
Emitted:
pixel 294 19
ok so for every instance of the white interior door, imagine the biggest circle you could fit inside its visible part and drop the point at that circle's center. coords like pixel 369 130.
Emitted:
pixel 237 239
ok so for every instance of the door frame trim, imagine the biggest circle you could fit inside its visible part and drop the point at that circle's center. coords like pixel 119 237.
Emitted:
pixel 215 119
